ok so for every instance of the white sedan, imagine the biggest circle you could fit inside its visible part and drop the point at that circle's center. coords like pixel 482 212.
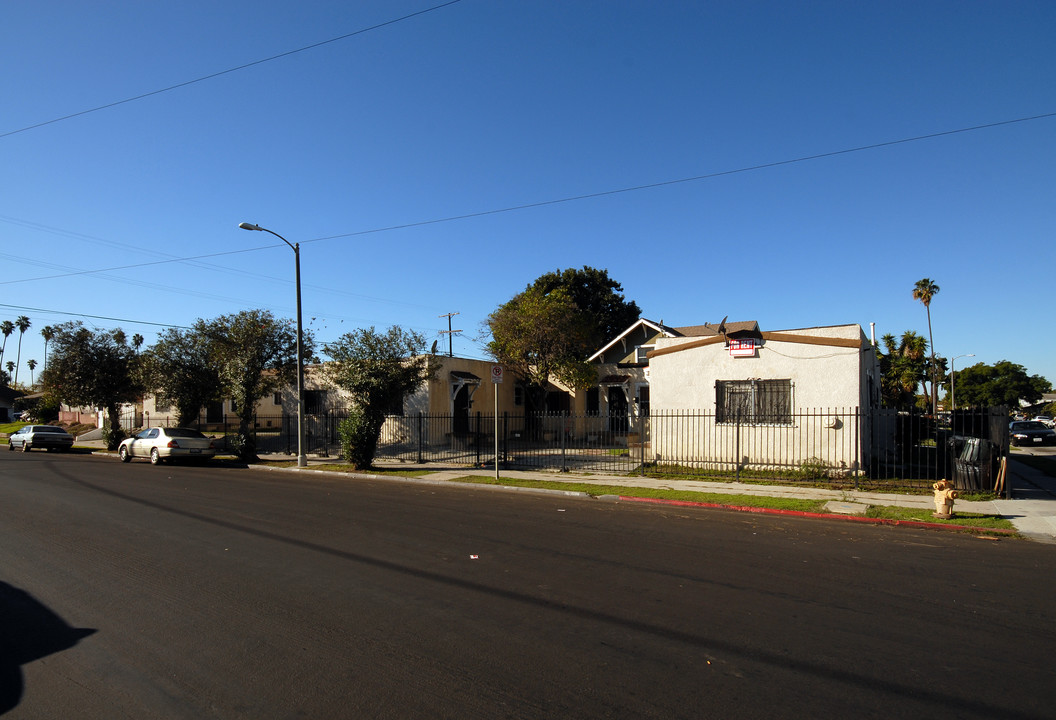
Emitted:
pixel 161 444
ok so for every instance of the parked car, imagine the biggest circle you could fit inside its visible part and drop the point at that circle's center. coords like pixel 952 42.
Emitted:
pixel 161 444
pixel 1031 432
pixel 49 437
pixel 1045 420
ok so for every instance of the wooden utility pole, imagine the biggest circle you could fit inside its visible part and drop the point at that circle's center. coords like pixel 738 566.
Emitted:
pixel 450 333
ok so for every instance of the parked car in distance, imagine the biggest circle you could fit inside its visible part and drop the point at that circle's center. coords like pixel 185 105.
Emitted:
pixel 1031 432
pixel 1045 420
pixel 161 444
pixel 49 437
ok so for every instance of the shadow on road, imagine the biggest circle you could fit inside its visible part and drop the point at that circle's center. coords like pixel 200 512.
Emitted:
pixel 28 632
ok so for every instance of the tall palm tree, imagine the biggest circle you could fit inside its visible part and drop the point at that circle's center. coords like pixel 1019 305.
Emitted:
pixel 22 323
pixel 924 291
pixel 7 327
pixel 48 332
pixel 32 364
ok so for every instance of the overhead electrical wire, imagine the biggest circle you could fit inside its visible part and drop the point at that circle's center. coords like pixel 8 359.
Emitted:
pixel 574 198
pixel 220 73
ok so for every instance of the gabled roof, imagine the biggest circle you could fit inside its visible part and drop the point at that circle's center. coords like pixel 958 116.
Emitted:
pixel 641 322
pixel 707 330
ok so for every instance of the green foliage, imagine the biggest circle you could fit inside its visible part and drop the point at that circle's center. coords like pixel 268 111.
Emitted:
pixel 376 370
pixel 1003 383
pixel 359 434
pixel 92 368
pixel 540 336
pixel 112 434
pixel 598 297
pixel 903 367
pixel 549 330
pixel 180 368
pixel 254 355
pixel 812 469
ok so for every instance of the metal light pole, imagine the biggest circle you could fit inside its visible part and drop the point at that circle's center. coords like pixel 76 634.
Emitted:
pixel 953 396
pixel 302 459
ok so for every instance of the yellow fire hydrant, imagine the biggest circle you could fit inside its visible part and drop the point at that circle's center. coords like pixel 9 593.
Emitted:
pixel 944 497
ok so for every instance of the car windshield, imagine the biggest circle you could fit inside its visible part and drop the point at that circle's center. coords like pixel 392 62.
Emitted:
pixel 183 432
pixel 1030 425
pixel 49 429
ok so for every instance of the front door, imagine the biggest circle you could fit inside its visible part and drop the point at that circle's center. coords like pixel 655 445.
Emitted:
pixel 618 421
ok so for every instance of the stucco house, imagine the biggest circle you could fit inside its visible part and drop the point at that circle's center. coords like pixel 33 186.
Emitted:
pixel 746 397
pixel 622 396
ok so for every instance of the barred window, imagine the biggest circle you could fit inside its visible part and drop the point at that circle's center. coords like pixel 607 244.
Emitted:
pixel 755 402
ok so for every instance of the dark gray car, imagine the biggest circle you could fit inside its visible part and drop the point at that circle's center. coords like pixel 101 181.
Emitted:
pixel 49 437
pixel 1031 432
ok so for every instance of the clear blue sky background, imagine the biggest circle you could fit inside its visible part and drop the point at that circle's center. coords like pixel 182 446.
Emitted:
pixel 485 105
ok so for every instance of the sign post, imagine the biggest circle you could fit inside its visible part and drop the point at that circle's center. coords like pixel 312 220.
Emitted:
pixel 496 380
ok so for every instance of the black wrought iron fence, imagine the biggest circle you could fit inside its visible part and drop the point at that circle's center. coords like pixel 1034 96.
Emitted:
pixel 842 447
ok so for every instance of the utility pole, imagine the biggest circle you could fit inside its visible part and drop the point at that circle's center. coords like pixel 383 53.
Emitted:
pixel 450 333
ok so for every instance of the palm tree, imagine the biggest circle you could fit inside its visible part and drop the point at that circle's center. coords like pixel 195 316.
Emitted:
pixel 48 332
pixel 22 323
pixel 10 367
pixel 32 364
pixel 7 327
pixel 924 291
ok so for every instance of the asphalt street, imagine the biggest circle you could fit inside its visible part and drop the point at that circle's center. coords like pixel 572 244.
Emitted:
pixel 218 592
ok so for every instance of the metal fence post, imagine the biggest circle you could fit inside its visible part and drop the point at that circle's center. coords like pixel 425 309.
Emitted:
pixel 419 436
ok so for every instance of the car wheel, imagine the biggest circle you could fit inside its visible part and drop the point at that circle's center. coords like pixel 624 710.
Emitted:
pixel 155 457
pixel 25 447
pixel 123 454
pixel 10 446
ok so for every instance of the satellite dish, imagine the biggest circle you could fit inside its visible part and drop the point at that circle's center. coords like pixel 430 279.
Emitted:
pixel 722 326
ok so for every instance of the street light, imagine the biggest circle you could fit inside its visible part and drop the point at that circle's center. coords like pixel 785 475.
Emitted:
pixel 953 396
pixel 302 459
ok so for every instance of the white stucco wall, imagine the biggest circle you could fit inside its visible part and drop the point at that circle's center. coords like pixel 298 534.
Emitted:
pixel 829 385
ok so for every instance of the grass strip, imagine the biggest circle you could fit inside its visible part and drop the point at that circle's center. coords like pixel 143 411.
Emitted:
pixel 974 520
pixel 595 490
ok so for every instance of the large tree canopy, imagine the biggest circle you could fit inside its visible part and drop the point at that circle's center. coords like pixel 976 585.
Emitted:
pixel 377 370
pixel 1003 383
pixel 93 368
pixel 598 297
pixel 255 355
pixel 540 336
pixel 181 370
pixel 549 330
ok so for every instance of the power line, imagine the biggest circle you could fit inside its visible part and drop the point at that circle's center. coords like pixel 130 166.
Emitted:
pixel 94 317
pixel 211 76
pixel 574 198
pixel 695 178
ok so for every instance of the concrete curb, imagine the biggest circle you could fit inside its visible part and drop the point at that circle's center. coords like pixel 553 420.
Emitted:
pixel 823 516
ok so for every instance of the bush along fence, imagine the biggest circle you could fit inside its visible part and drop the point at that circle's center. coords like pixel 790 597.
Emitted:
pixel 845 447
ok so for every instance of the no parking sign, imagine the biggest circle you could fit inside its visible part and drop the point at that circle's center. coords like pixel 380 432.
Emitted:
pixel 496 374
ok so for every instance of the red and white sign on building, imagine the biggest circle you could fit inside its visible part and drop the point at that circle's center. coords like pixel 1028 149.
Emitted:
pixel 742 348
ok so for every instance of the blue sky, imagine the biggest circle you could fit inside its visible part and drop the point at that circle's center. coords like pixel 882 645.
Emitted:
pixel 361 150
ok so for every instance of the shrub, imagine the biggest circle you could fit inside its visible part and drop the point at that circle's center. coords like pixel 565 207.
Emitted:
pixel 359 438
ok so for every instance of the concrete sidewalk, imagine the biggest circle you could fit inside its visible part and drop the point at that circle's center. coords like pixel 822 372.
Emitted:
pixel 1032 509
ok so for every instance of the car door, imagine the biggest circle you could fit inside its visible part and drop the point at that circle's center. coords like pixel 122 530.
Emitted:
pixel 143 442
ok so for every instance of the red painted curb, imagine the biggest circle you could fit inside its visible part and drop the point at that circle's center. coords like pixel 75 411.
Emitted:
pixel 827 516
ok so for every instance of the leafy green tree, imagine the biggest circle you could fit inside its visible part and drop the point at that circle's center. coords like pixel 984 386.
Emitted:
pixel 376 370
pixel 92 368
pixel 22 323
pixel 598 297
pixel 924 290
pixel 180 370
pixel 255 356
pixel 1003 383
pixel 32 364
pixel 542 335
